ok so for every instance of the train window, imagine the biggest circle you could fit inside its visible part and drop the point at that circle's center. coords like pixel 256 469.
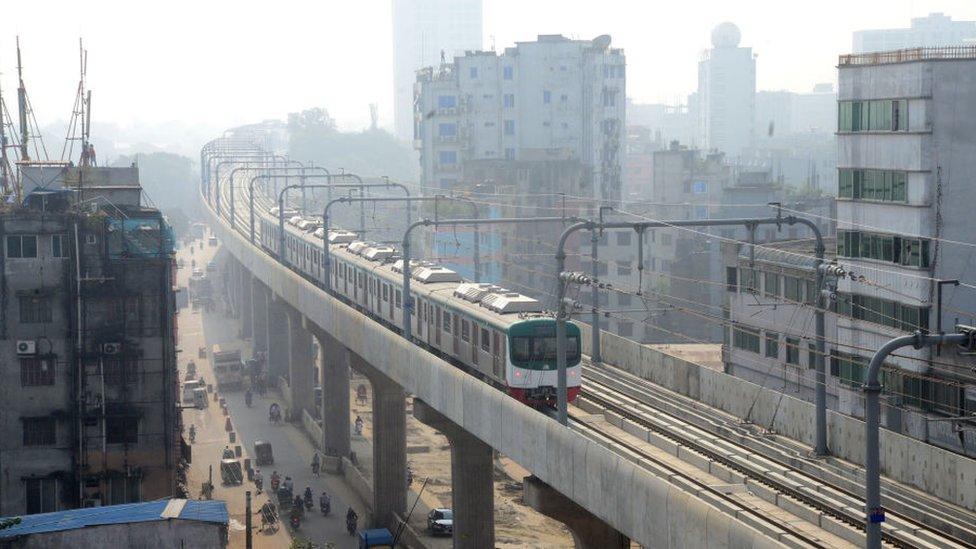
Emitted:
pixel 447 322
pixel 398 298
pixel 497 346
pixel 542 348
pixel 465 330
pixel 386 292
pixel 485 341
pixel 437 316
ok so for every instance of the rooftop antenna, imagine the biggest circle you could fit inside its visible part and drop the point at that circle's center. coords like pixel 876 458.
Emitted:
pixel 79 128
pixel 22 108
pixel 26 118
pixel 9 186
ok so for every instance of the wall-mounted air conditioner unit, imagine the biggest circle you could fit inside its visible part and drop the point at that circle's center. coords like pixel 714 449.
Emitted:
pixel 111 348
pixel 26 347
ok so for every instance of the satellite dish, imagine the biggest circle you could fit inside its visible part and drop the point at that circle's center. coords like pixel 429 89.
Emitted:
pixel 602 42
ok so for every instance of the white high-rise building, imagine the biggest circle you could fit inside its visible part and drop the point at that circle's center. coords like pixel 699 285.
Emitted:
pixel 726 98
pixel 551 99
pixel 423 32
pixel 935 30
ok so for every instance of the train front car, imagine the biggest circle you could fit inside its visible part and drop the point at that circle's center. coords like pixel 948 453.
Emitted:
pixel 531 369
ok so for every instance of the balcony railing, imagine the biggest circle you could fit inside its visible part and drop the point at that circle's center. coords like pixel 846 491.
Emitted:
pixel 908 55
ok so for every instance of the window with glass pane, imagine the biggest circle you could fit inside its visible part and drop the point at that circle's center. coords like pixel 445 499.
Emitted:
pixel 792 350
pixel 771 288
pixel 772 345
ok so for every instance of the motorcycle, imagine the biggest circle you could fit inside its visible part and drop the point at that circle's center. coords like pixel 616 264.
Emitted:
pixel 308 499
pixel 247 398
pixel 325 506
pixel 258 483
pixel 275 482
pixel 351 525
pixel 296 521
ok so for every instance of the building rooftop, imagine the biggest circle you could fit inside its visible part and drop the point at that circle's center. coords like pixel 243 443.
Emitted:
pixel 945 53
pixel 182 509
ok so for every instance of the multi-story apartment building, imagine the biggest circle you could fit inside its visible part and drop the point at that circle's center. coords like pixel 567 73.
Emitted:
pixel 904 220
pixel 554 97
pixel 425 32
pixel 935 30
pixel 769 338
pixel 726 97
pixel 903 225
pixel 87 345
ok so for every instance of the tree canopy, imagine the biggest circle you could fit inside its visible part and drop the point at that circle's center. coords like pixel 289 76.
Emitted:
pixel 313 137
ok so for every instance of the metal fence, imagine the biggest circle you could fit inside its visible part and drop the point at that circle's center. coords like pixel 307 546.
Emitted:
pixel 908 55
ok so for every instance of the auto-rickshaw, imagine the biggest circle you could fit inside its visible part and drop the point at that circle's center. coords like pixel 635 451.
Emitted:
pixel 263 455
pixel 230 471
pixel 378 537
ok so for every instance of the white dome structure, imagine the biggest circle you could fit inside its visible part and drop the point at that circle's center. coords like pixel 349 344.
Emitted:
pixel 726 35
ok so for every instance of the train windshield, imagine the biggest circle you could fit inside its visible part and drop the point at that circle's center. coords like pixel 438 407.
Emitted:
pixel 543 349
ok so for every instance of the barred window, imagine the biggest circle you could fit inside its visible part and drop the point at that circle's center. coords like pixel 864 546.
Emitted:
pixel 122 430
pixel 36 371
pixel 40 431
pixel 35 309
pixel 40 495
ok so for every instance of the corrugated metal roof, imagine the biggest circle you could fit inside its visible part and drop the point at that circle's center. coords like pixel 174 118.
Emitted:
pixel 196 510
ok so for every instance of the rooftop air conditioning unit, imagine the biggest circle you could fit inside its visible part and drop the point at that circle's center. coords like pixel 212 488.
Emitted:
pixel 111 348
pixel 26 347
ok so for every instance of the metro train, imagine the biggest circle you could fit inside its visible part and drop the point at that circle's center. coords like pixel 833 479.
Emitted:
pixel 503 337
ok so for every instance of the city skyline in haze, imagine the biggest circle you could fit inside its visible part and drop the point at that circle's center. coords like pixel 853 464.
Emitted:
pixel 220 63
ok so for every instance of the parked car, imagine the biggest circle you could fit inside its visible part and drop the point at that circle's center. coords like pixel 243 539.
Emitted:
pixel 440 522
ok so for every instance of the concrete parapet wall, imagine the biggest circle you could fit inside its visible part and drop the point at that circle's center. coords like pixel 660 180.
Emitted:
pixel 312 429
pixel 626 496
pixel 939 472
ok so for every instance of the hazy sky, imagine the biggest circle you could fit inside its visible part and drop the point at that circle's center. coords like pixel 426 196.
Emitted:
pixel 221 63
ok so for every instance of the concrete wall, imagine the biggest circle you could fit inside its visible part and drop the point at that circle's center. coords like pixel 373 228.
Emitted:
pixel 164 533
pixel 936 471
pixel 629 498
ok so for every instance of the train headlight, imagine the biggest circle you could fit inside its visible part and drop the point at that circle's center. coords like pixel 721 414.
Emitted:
pixel 518 373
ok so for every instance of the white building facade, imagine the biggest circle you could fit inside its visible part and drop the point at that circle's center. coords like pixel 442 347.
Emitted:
pixel 726 97
pixel 422 31
pixel 935 30
pixel 554 98
pixel 904 220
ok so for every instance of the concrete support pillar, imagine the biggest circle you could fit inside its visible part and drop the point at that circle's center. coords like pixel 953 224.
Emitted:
pixel 472 484
pixel 300 363
pixel 231 278
pixel 389 447
pixel 259 315
pixel 278 358
pixel 335 393
pixel 247 326
pixel 589 531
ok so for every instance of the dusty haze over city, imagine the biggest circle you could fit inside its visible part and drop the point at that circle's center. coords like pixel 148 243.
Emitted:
pixel 154 62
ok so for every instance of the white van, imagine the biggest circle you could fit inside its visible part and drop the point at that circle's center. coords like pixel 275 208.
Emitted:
pixel 200 400
pixel 189 387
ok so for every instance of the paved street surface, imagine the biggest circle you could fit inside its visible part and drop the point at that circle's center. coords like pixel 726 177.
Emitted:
pixel 292 451
pixel 429 453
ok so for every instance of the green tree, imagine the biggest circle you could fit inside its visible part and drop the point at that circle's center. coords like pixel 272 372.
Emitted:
pixel 313 137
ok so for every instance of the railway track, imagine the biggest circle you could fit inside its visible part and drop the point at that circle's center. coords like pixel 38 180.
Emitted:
pixel 678 424
pixel 823 493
